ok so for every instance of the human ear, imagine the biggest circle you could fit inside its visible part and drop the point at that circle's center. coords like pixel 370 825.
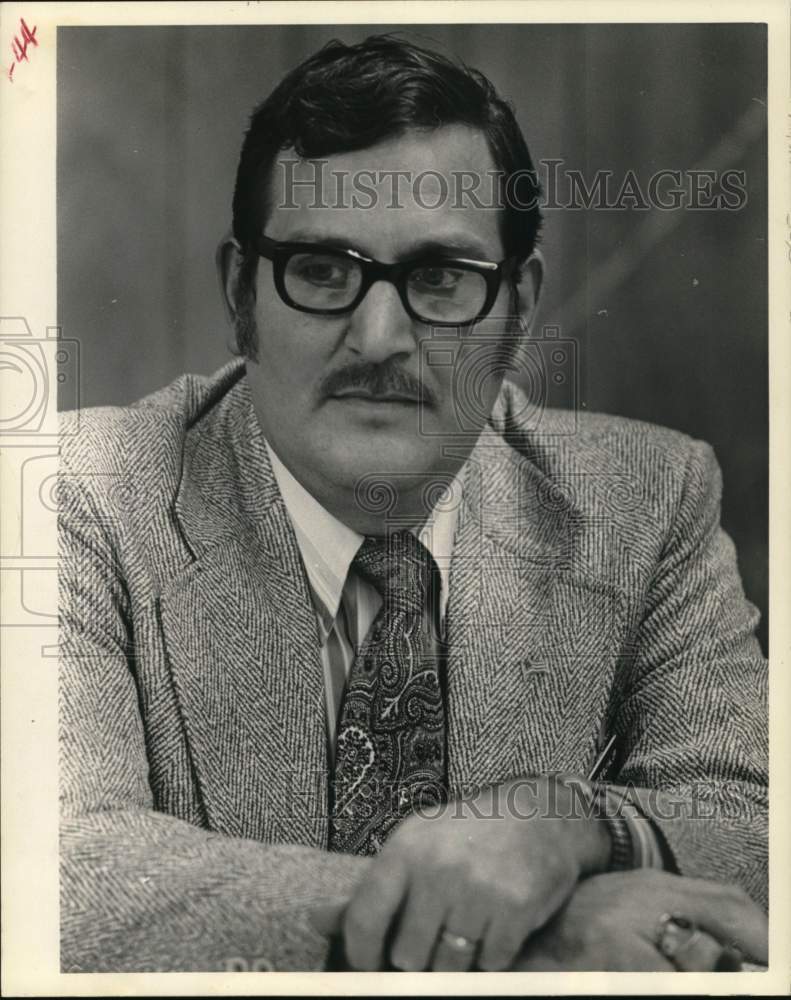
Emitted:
pixel 528 287
pixel 228 260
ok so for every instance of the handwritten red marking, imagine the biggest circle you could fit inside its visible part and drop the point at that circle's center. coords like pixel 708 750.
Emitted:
pixel 19 45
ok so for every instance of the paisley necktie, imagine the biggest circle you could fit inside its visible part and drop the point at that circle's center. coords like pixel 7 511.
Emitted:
pixel 390 751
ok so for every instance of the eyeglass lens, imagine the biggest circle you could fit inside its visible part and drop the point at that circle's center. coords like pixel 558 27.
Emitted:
pixel 435 292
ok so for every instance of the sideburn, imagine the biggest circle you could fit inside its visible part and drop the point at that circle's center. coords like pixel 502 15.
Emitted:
pixel 244 318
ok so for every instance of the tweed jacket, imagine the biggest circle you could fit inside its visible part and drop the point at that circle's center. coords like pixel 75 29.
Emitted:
pixel 592 592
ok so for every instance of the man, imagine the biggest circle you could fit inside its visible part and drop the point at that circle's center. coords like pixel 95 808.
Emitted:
pixel 354 653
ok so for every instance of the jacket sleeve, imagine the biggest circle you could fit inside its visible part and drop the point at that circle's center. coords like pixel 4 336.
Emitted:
pixel 142 890
pixel 692 714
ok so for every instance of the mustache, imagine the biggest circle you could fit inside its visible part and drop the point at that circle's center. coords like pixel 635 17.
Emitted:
pixel 377 380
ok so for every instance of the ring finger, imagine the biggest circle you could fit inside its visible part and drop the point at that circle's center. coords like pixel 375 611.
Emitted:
pixel 459 941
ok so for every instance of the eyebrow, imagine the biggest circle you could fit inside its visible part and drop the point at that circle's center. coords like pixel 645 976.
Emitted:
pixel 452 245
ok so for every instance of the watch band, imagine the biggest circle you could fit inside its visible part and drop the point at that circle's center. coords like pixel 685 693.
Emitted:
pixel 622 852
pixel 622 856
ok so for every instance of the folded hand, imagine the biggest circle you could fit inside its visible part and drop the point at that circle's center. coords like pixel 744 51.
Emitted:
pixel 469 885
pixel 614 922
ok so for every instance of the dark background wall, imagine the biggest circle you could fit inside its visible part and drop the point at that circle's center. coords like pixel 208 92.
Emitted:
pixel 669 308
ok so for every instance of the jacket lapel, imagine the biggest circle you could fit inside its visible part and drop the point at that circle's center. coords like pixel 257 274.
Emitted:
pixel 530 641
pixel 241 638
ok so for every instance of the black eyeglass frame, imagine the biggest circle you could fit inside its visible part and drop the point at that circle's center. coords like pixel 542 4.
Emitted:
pixel 279 253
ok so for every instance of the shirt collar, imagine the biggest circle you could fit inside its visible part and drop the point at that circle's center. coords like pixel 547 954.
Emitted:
pixel 328 546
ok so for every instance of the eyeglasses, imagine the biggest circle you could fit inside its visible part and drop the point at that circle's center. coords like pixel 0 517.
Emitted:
pixel 439 290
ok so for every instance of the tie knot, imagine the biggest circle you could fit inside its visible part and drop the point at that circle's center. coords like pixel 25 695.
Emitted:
pixel 399 566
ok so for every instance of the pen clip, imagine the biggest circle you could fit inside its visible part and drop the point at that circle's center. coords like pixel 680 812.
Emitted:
pixel 601 760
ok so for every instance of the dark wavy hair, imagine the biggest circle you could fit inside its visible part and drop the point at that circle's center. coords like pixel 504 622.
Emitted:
pixel 350 97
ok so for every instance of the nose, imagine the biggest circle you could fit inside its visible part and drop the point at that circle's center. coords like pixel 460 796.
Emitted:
pixel 379 327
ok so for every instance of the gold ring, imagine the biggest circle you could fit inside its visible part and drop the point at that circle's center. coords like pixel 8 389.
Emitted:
pixel 458 942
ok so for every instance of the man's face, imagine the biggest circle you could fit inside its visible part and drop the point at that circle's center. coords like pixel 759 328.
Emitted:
pixel 321 383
